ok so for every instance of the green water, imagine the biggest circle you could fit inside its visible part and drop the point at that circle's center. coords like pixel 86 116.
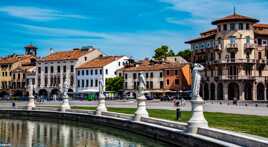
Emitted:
pixel 25 133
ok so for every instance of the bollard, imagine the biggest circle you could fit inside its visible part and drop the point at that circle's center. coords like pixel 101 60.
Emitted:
pixel 178 113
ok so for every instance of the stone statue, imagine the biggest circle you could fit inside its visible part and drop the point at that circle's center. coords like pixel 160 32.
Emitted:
pixel 101 86
pixel 142 83
pixel 196 79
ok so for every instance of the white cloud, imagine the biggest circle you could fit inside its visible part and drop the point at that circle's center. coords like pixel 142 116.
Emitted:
pixel 202 12
pixel 140 44
pixel 37 14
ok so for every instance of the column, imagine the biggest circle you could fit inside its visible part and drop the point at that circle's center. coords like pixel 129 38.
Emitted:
pixel 61 78
pixel 265 93
pixel 42 76
pixel 48 75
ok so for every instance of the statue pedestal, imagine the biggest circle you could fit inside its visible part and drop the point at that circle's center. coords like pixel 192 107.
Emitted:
pixel 101 105
pixel 197 120
pixel 31 103
pixel 141 110
pixel 65 105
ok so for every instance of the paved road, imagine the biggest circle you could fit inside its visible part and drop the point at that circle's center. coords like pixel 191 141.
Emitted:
pixel 155 104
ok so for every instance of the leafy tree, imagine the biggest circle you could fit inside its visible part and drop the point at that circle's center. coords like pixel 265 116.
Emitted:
pixel 163 52
pixel 114 84
pixel 186 54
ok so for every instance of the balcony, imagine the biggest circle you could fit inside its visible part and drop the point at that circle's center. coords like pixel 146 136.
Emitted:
pixel 233 61
pixel 232 47
pixel 248 47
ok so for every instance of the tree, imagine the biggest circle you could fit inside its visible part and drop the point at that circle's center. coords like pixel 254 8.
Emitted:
pixel 114 84
pixel 186 54
pixel 162 52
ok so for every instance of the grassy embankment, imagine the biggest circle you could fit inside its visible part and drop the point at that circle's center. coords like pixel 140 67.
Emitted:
pixel 256 125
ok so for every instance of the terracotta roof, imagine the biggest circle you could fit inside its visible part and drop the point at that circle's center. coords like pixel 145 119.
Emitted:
pixel 99 62
pixel 263 32
pixel 153 67
pixel 209 32
pixel 202 38
pixel 9 60
pixel 235 17
pixel 67 55
pixel 262 26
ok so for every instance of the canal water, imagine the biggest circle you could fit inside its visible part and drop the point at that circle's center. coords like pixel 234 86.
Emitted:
pixel 25 133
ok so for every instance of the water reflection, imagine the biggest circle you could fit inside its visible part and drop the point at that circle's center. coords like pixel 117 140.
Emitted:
pixel 24 133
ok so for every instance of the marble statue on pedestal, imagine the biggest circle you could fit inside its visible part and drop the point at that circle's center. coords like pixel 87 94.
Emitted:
pixel 31 103
pixel 141 99
pixel 101 103
pixel 65 105
pixel 197 120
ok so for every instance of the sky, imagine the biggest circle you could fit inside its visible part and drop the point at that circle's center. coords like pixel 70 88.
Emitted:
pixel 116 27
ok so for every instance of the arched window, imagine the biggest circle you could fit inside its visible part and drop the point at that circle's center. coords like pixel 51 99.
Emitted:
pixel 232 39
pixel 247 39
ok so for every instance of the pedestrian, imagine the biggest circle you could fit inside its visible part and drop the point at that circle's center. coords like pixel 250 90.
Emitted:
pixel 13 104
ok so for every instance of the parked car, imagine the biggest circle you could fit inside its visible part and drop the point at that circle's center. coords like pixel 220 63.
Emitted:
pixel 149 97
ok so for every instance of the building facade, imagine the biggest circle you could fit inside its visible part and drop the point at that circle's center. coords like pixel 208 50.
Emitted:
pixel 235 58
pixel 90 73
pixel 162 78
pixel 55 69
pixel 13 70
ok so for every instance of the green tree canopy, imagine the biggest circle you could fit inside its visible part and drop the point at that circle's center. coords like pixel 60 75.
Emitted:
pixel 114 84
pixel 163 52
pixel 186 54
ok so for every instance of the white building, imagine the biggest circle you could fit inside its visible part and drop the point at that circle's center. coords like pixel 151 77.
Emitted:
pixel 56 68
pixel 89 74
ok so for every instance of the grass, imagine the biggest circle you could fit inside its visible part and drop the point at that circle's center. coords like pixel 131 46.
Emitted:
pixel 256 125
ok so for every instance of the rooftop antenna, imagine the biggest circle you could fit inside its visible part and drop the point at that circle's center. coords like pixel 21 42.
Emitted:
pixel 234 11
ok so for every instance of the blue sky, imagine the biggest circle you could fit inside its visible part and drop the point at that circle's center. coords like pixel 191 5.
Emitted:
pixel 117 27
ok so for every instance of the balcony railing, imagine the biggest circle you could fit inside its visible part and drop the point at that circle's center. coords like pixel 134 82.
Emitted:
pixel 236 77
pixel 249 46
pixel 232 60
pixel 232 45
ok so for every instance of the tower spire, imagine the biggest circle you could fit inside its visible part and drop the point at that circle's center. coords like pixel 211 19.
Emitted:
pixel 234 11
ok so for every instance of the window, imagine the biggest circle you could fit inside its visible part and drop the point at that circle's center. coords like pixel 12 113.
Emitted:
pixel 86 72
pixel 147 75
pixel 152 75
pixel 232 26
pixel 96 71
pixel 39 69
pixel 167 72
pixel 119 63
pixel 247 39
pixel 134 76
pixel 225 27
pixel 232 39
pixel 161 74
pixel 247 26
pixel 241 27
pixel 87 83
pixel 219 28
pixel 161 84
pixel 106 71
pixel 264 42
pixel 126 76
pixel 78 72
pixel 91 72
pixel 64 68
pixel 147 84
pixel 125 85
pixel 96 83
pixel 176 72
pixel 83 83
pixel 259 41
pixel 46 70
pixel 83 72
pixel 85 58
pixel 259 55
pixel 72 68
pixel 177 81
pixel 100 71
pixel 167 82
pixel 58 68
pixel 91 83
pixel 151 84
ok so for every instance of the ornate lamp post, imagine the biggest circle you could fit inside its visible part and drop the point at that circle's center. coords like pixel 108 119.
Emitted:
pixel 65 105
pixel 31 103
pixel 101 103
pixel 197 120
pixel 141 100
